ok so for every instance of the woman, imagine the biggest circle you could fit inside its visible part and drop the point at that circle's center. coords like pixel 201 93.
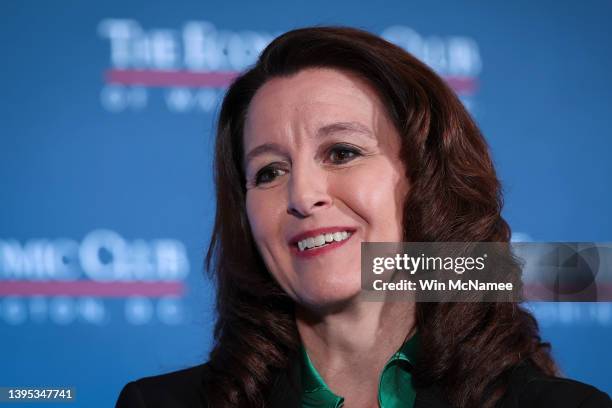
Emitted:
pixel 333 138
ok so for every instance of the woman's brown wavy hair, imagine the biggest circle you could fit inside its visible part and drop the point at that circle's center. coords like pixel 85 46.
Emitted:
pixel 467 348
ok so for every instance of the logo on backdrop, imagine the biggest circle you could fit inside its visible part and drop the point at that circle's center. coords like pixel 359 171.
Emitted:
pixel 63 281
pixel 192 65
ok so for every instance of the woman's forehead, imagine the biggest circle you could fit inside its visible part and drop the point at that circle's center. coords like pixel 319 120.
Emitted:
pixel 311 99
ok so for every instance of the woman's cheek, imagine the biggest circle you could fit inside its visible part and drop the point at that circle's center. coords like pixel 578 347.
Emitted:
pixel 256 215
pixel 368 186
pixel 375 191
pixel 265 212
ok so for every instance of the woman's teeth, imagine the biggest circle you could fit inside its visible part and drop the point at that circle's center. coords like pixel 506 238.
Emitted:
pixel 322 239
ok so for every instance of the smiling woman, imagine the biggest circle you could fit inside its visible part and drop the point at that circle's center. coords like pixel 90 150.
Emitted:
pixel 336 137
pixel 329 141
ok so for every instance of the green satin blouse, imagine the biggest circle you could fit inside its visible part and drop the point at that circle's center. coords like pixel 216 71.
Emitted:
pixel 394 387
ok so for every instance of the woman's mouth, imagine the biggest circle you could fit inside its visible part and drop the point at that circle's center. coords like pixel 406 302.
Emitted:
pixel 321 243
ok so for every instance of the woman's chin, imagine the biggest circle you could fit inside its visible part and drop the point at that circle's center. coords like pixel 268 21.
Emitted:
pixel 329 297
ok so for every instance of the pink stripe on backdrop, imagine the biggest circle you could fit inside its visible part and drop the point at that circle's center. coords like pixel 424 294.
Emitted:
pixel 156 78
pixel 170 78
pixel 462 85
pixel 91 288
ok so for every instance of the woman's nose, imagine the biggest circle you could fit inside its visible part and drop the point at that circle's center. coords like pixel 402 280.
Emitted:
pixel 308 190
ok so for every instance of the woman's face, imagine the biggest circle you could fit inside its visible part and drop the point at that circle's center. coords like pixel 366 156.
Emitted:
pixel 323 169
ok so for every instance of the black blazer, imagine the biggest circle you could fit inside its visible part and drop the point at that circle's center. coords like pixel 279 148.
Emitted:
pixel 528 388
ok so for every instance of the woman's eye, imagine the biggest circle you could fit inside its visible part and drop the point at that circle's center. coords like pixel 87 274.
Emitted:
pixel 267 175
pixel 337 155
pixel 342 154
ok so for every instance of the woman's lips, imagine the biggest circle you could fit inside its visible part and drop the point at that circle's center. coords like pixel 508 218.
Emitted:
pixel 309 253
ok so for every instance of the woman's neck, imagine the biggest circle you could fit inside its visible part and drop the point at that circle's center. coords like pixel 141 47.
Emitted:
pixel 349 347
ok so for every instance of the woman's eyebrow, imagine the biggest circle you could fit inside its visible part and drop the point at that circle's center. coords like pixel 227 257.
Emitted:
pixel 339 127
pixel 326 130
pixel 264 148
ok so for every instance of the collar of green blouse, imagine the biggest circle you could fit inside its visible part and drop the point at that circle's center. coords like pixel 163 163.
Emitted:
pixel 394 388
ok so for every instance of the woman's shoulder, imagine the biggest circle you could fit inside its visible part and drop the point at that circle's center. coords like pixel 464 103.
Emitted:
pixel 182 388
pixel 529 387
pixel 186 388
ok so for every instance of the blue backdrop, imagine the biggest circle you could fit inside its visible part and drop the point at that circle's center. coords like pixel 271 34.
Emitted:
pixel 107 119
